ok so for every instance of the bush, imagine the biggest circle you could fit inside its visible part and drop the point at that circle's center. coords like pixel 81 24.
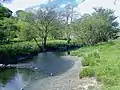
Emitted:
pixel 85 62
pixel 104 59
pixel 19 48
pixel 91 58
pixel 86 71
pixel 111 88
pixel 108 80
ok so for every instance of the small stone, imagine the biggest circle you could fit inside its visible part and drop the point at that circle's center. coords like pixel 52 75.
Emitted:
pixel 51 74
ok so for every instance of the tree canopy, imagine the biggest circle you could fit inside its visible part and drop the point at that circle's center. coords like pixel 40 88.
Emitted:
pixel 5 12
pixel 98 27
pixel 49 22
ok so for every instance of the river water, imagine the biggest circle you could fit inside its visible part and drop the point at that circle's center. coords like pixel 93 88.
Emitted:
pixel 42 66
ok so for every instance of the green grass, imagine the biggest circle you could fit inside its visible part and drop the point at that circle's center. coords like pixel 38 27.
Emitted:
pixel 86 71
pixel 29 47
pixel 19 48
pixel 103 62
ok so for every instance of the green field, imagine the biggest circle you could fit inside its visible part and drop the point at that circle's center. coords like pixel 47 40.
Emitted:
pixel 103 62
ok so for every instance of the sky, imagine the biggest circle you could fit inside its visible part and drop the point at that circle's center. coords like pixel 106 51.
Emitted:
pixel 87 6
pixel 84 7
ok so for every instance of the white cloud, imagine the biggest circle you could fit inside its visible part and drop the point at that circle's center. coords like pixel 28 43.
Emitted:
pixel 63 5
pixel 87 6
pixel 22 4
pixel 52 0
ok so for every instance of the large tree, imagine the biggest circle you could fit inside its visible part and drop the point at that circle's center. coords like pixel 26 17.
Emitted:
pixel 98 27
pixel 43 20
pixel 7 24
pixel 67 17
pixel 7 29
pixel 5 12
pixel 26 30
pixel 40 22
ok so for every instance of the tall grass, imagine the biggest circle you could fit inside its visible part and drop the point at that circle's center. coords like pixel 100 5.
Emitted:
pixel 19 48
pixel 103 62
pixel 31 47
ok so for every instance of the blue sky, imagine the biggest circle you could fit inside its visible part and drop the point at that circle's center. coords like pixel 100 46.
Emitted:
pixel 85 7
pixel 15 5
pixel 57 1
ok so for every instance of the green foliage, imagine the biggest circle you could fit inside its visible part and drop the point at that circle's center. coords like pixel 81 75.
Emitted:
pixel 67 17
pixel 39 23
pixel 89 58
pixel 19 48
pixel 29 47
pixel 104 60
pixel 6 74
pixel 7 25
pixel 98 27
pixel 5 12
pixel 57 30
pixel 86 71
pixel 111 88
pixel 101 60
pixel 26 31
pixel 8 29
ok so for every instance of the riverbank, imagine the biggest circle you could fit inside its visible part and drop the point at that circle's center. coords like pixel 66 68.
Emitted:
pixel 67 81
pixel 102 61
pixel 20 51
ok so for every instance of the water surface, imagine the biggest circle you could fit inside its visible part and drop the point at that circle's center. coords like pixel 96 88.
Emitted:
pixel 41 66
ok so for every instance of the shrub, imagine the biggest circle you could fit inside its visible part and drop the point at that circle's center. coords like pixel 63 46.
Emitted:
pixel 111 88
pixel 86 71
pixel 108 80
pixel 85 62
pixel 104 60
pixel 91 58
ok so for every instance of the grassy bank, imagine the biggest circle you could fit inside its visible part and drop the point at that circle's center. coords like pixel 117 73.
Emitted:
pixel 103 62
pixel 19 49
pixel 29 47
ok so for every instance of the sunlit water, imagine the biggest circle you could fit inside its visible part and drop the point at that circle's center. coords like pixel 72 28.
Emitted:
pixel 41 66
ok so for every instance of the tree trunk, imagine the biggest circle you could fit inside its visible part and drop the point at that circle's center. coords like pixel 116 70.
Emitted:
pixel 44 43
pixel 68 41
pixel 36 42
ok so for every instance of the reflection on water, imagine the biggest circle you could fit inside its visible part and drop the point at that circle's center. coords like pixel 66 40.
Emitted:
pixel 42 66
pixel 15 79
pixel 6 74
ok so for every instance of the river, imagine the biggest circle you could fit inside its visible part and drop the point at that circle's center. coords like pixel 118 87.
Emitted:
pixel 42 66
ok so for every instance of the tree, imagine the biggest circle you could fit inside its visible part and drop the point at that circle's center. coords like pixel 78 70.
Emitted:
pixel 43 20
pixel 5 12
pixel 98 27
pixel 27 31
pixel 57 31
pixel 2 33
pixel 6 24
pixel 67 16
pixel 8 29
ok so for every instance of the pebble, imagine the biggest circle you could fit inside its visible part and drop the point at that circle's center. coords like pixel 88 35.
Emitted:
pixel 51 74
